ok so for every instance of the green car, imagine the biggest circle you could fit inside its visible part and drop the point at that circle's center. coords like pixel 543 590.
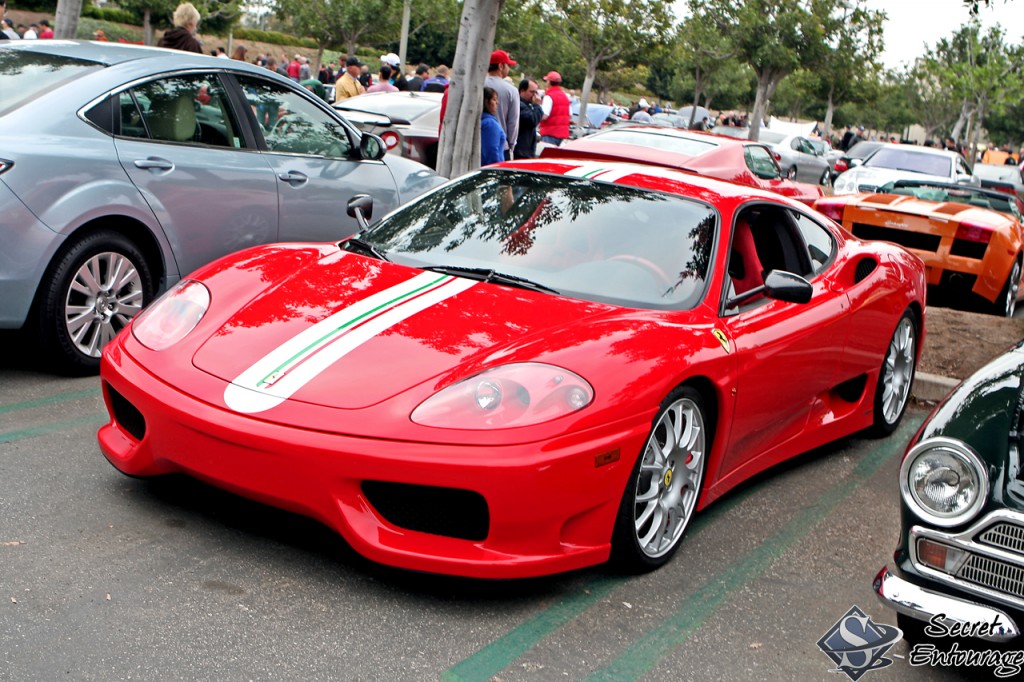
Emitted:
pixel 959 567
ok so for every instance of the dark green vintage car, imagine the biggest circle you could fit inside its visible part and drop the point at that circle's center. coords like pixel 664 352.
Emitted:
pixel 961 547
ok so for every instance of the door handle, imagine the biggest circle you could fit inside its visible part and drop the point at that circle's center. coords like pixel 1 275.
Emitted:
pixel 154 163
pixel 293 178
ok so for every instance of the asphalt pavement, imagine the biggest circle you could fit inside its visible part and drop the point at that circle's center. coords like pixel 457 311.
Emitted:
pixel 104 577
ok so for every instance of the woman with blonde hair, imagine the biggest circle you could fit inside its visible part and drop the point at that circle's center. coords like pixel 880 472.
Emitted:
pixel 182 36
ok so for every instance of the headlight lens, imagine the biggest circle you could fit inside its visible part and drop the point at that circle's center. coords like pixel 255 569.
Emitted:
pixel 943 481
pixel 171 317
pixel 514 395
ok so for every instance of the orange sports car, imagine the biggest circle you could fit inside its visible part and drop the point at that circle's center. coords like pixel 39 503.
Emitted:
pixel 969 238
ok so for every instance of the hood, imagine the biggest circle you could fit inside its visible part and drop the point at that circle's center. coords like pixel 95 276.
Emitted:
pixel 349 332
pixel 980 412
pixel 871 179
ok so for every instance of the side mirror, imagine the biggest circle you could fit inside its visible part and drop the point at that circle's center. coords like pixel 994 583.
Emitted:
pixel 360 207
pixel 785 286
pixel 371 147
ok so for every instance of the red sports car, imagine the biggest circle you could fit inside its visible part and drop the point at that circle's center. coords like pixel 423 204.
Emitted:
pixel 751 164
pixel 533 368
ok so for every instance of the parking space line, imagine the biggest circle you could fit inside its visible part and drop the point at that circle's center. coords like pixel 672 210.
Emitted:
pixel 50 400
pixel 53 427
pixel 645 653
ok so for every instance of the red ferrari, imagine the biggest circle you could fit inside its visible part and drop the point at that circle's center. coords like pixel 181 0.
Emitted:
pixel 534 368
pixel 751 164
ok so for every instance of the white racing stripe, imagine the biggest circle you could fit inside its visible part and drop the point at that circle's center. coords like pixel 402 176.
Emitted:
pixel 279 374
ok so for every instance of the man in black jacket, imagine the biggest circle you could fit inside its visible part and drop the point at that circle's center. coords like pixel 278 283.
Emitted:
pixel 530 114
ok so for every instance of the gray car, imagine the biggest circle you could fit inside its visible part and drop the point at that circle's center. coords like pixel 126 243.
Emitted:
pixel 123 168
pixel 798 157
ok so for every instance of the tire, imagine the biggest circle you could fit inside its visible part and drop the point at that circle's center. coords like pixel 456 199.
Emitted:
pixel 826 179
pixel 912 628
pixel 93 288
pixel 896 377
pixel 664 485
pixel 1006 304
pixel 791 173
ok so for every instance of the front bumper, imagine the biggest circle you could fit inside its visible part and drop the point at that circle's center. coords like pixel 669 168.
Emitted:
pixel 550 506
pixel 920 603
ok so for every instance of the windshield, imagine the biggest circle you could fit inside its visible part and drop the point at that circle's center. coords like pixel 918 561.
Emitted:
pixel 24 75
pixel 915 162
pixel 589 240
pixel 962 194
pixel 403 106
pixel 652 140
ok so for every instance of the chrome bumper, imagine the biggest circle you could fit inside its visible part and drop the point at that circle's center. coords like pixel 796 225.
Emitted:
pixel 917 602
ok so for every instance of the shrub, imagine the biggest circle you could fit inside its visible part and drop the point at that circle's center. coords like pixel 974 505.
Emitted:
pixel 117 16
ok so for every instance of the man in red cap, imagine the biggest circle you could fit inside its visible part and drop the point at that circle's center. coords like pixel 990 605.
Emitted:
pixel 508 97
pixel 554 126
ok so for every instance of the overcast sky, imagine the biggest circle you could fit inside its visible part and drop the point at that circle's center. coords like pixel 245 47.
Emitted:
pixel 914 23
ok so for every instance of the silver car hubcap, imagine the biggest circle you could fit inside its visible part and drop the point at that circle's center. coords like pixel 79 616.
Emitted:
pixel 898 371
pixel 670 476
pixel 1012 290
pixel 104 295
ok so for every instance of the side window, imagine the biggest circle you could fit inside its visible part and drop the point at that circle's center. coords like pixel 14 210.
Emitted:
pixel 190 109
pixel 820 245
pixel 293 124
pixel 760 162
pixel 797 144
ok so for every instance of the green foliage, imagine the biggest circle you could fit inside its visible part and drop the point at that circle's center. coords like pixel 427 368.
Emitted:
pixel 111 14
pixel 33 5
pixel 272 37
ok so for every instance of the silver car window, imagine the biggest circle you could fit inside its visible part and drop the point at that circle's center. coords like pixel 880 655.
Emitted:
pixel 191 109
pixel 293 124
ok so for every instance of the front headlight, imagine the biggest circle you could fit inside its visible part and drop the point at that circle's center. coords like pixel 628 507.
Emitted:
pixel 943 481
pixel 171 317
pixel 520 394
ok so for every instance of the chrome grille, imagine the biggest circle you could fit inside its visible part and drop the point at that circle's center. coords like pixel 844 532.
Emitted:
pixel 994 574
pixel 1006 536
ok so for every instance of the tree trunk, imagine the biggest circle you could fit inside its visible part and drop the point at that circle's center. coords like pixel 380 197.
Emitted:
pixel 829 111
pixel 588 85
pixel 965 112
pixel 66 20
pixel 403 42
pixel 765 89
pixel 147 28
pixel 698 90
pixel 315 71
pixel 459 146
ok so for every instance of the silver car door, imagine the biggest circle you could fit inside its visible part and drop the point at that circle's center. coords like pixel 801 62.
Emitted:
pixel 181 145
pixel 315 159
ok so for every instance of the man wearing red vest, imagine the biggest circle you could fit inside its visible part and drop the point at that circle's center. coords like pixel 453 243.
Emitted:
pixel 554 126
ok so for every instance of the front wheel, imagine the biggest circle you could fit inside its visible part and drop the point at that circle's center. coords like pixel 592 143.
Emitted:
pixel 662 491
pixel 826 179
pixel 91 292
pixel 791 173
pixel 896 377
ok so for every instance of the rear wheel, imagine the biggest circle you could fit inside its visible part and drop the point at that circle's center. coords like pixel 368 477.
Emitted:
pixel 791 173
pixel 1006 304
pixel 826 178
pixel 896 376
pixel 666 480
pixel 91 292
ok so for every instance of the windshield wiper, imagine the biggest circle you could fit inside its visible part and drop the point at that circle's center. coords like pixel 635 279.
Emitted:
pixel 366 247
pixel 490 275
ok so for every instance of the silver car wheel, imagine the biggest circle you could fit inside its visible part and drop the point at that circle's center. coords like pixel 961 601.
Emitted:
pixel 105 294
pixel 1012 290
pixel 669 480
pixel 898 370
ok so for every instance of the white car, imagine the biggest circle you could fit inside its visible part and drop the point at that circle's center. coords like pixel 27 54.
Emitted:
pixel 903 162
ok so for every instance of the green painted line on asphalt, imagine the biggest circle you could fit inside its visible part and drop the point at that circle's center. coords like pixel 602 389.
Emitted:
pixel 54 427
pixel 500 653
pixel 50 400
pixel 644 654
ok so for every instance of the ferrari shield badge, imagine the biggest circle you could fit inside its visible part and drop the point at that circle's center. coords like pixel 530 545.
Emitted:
pixel 720 335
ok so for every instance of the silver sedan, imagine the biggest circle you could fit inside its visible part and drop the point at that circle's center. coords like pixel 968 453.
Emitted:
pixel 132 166
pixel 798 157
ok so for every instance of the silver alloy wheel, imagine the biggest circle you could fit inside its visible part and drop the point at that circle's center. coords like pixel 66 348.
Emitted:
pixel 1012 289
pixel 898 370
pixel 669 480
pixel 105 294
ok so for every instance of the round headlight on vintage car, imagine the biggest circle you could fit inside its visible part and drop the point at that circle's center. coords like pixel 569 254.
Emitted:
pixel 943 481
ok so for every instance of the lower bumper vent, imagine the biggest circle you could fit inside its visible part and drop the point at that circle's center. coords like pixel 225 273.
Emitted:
pixel 450 512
